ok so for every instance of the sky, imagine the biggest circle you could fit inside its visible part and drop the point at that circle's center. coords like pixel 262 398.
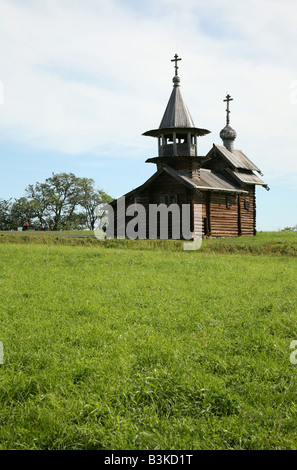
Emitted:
pixel 82 80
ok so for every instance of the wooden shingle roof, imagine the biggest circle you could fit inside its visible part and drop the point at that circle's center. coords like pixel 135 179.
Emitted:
pixel 236 158
pixel 176 113
pixel 213 180
pixel 246 177
pixel 209 181
pixel 177 116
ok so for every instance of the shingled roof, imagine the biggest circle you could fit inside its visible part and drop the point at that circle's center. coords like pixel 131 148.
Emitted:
pixel 236 158
pixel 176 113
pixel 210 180
pixel 245 177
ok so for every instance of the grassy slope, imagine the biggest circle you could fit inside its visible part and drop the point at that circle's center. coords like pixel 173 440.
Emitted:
pixel 123 349
pixel 263 243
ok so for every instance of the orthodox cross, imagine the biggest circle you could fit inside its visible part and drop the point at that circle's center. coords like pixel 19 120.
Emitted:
pixel 228 99
pixel 176 59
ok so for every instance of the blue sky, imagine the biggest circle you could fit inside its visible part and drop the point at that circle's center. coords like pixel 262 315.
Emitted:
pixel 83 79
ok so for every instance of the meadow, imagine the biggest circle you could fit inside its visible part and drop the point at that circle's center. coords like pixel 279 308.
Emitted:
pixel 141 345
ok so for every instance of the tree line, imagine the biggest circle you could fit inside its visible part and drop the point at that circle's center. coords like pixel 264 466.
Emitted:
pixel 64 201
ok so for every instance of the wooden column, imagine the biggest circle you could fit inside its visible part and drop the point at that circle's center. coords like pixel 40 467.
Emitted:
pixel 174 144
pixel 189 143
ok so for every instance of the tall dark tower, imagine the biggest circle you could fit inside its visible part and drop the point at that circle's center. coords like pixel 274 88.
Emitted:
pixel 177 134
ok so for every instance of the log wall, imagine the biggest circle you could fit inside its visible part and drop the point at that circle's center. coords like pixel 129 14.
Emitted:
pixel 222 214
pixel 199 214
pixel 163 185
pixel 248 212
pixel 223 217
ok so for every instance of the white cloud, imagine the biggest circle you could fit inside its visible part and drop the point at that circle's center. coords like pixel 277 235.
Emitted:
pixel 84 75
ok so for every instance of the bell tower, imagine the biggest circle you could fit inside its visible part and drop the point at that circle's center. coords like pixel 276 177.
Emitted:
pixel 177 134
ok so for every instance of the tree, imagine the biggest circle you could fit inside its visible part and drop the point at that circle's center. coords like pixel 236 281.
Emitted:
pixel 39 196
pixel 66 201
pixel 90 199
pixel 56 200
pixel 290 229
pixel 21 210
pixel 5 214
pixel 63 198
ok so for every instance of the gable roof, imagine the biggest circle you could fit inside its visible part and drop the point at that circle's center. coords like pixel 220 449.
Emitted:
pixel 166 169
pixel 141 187
pixel 213 180
pixel 209 180
pixel 237 159
pixel 245 177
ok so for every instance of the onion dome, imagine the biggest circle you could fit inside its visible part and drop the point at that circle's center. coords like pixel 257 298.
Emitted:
pixel 228 134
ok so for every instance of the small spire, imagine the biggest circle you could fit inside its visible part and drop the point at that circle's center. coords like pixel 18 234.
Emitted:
pixel 228 99
pixel 176 59
pixel 228 134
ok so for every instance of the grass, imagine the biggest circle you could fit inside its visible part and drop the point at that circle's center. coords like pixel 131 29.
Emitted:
pixel 156 348
pixel 284 243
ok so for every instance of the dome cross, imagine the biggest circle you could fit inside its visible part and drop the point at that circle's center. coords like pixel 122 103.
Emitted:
pixel 228 99
pixel 176 59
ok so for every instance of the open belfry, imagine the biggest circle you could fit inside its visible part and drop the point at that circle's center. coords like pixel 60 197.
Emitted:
pixel 222 183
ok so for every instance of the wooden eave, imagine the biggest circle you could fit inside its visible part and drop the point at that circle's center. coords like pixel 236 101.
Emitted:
pixel 214 181
pixel 170 159
pixel 244 178
pixel 208 181
pixel 236 159
pixel 183 130
pixel 140 188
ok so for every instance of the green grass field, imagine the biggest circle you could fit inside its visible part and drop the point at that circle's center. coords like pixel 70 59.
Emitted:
pixel 141 345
